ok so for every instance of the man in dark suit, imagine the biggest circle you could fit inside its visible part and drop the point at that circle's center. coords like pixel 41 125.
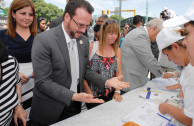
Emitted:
pixel 57 21
pixel 54 74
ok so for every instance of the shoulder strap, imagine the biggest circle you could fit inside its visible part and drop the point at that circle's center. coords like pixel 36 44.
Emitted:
pixel 95 47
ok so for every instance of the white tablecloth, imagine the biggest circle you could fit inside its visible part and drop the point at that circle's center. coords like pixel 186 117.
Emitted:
pixel 111 113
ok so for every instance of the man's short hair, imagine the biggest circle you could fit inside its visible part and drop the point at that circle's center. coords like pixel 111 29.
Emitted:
pixel 104 17
pixel 155 22
pixel 74 4
pixel 97 28
pixel 137 19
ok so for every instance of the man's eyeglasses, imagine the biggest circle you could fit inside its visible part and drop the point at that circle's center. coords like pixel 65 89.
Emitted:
pixel 81 25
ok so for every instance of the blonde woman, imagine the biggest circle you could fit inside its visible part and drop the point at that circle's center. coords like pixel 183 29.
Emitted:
pixel 105 59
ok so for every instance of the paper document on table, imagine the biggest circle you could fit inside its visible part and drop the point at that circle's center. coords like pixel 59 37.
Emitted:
pixel 150 94
pixel 147 115
pixel 161 83
pixel 175 101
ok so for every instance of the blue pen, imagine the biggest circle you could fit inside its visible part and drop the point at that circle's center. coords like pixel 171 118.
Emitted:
pixel 149 93
pixel 163 117
pixel 29 76
pixel 148 89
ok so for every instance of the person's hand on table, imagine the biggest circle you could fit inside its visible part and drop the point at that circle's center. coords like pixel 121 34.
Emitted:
pixel 87 98
pixel 168 75
pixel 117 97
pixel 181 93
pixel 24 78
pixel 116 82
pixel 163 108
pixel 173 87
pixel 176 86
pixel 19 112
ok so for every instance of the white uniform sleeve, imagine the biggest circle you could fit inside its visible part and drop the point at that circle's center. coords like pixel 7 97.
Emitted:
pixel 189 100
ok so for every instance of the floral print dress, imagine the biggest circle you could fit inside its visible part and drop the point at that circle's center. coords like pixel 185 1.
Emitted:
pixel 107 67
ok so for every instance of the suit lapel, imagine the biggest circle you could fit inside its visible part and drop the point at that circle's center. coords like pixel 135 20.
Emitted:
pixel 63 46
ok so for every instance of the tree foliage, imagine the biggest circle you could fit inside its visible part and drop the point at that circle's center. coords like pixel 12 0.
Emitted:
pixel 48 11
pixel 6 11
pixel 116 17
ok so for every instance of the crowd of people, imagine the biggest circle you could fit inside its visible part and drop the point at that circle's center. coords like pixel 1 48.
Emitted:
pixel 74 62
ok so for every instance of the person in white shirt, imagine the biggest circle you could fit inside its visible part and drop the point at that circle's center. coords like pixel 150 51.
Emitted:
pixel 169 43
pixel 187 20
pixel 172 13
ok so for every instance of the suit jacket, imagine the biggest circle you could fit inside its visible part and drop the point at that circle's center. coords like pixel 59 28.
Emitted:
pixel 137 59
pixel 52 74
pixel 56 21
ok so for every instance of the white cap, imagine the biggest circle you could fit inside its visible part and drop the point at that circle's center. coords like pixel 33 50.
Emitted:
pixel 181 20
pixel 165 8
pixel 167 36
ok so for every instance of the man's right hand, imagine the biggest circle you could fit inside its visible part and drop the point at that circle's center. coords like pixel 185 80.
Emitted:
pixel 87 98
pixel 116 82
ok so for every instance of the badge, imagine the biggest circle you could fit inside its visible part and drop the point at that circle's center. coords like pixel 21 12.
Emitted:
pixel 81 42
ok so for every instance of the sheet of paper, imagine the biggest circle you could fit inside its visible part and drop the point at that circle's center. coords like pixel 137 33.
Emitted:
pixel 161 83
pixel 146 115
pixel 153 94
pixel 176 101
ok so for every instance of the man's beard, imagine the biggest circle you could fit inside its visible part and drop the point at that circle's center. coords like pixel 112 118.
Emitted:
pixel 72 34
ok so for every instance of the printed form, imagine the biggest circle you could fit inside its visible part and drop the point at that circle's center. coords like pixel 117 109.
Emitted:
pixel 147 115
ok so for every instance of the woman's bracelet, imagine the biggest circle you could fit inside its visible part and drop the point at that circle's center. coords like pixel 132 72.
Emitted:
pixel 118 91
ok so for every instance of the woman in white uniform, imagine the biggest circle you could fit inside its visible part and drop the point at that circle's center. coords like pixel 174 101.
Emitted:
pixel 170 41
pixel 187 20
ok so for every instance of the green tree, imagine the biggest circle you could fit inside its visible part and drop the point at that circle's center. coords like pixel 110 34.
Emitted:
pixel 6 10
pixel 36 1
pixel 116 17
pixel 48 11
